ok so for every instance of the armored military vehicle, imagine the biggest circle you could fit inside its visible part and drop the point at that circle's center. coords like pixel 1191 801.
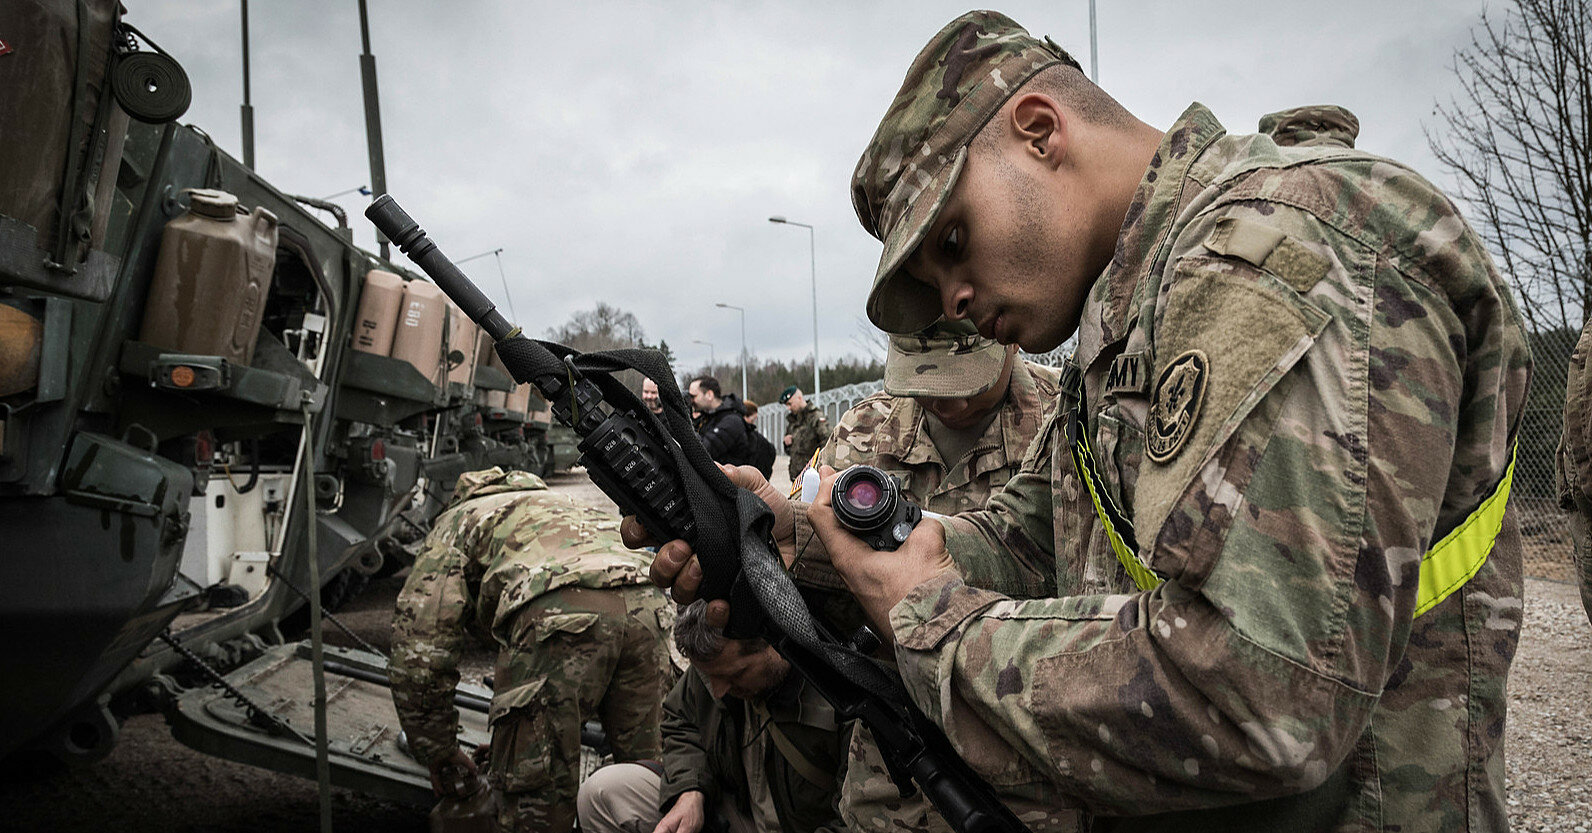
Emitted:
pixel 190 407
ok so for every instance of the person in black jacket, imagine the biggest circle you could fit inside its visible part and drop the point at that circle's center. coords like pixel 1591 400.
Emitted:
pixel 758 447
pixel 721 424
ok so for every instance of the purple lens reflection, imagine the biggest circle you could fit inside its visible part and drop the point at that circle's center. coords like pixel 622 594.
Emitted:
pixel 863 494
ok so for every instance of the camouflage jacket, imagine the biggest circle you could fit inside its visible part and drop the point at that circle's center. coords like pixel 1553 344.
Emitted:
pixel 808 429
pixel 503 540
pixel 1299 371
pixel 888 432
pixel 1574 470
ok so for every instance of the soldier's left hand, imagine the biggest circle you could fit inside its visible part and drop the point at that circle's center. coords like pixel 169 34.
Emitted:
pixel 449 771
pixel 878 580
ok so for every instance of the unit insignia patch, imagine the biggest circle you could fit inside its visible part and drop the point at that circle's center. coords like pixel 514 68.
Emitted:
pixel 1179 392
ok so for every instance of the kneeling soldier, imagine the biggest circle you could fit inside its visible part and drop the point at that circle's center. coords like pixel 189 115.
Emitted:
pixel 581 635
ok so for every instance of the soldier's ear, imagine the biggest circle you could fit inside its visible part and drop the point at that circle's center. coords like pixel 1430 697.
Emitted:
pixel 1039 125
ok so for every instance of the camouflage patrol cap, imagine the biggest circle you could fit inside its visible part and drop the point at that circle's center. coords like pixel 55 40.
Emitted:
pixel 1321 124
pixel 492 480
pixel 953 87
pixel 949 360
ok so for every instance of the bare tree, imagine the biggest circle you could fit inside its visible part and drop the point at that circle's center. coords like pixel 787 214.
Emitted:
pixel 1519 141
pixel 875 343
pixel 603 327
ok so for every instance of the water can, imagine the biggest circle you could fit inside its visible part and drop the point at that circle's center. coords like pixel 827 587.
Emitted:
pixel 211 279
pixel 376 321
pixel 418 339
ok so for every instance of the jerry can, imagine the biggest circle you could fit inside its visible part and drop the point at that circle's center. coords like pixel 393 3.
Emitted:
pixel 519 399
pixel 376 320
pixel 418 339
pixel 211 279
pixel 462 336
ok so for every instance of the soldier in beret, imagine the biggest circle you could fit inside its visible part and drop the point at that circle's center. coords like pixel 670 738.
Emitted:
pixel 806 429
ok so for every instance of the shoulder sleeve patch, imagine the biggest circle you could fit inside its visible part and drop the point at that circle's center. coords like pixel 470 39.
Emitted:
pixel 1270 249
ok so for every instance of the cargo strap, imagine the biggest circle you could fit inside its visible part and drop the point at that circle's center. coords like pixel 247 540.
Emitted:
pixel 787 750
pixel 1444 568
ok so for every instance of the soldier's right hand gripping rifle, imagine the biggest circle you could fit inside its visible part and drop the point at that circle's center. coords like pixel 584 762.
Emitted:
pixel 656 469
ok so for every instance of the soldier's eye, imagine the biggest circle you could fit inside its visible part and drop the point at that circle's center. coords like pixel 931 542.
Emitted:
pixel 951 242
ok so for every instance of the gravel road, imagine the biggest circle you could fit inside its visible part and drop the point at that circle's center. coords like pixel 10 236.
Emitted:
pixel 150 783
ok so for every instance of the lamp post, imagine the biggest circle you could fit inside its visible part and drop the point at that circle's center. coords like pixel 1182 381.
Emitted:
pixel 744 391
pixel 507 296
pixel 711 360
pixel 812 257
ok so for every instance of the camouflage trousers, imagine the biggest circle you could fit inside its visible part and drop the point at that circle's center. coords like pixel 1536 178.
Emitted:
pixel 577 654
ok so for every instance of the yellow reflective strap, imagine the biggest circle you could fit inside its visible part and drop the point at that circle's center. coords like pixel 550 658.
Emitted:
pixel 1137 570
pixel 1459 556
pixel 1445 568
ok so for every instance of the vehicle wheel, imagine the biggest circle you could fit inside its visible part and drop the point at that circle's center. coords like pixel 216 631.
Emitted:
pixel 342 589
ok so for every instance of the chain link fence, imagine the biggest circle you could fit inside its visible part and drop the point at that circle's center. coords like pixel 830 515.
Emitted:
pixel 1545 526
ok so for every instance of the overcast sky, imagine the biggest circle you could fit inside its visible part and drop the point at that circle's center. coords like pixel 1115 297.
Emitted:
pixel 632 152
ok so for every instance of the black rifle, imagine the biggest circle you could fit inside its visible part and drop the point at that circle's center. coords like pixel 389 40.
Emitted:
pixel 656 469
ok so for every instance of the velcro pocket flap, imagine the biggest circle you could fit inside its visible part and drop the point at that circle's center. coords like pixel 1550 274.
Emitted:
pixel 563 623
pixel 1251 329
pixel 509 699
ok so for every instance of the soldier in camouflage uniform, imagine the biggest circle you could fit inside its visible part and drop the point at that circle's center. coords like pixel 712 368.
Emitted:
pixel 946 389
pixel 806 429
pixel 1290 421
pixel 1575 462
pixel 581 632
pixel 957 414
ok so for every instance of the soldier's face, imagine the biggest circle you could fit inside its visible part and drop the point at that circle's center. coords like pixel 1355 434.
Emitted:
pixel 966 412
pixel 649 395
pixel 1017 243
pixel 744 674
pixel 796 402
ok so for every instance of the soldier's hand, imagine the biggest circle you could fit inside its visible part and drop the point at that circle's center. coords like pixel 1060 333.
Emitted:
pixel 453 774
pixel 878 580
pixel 686 816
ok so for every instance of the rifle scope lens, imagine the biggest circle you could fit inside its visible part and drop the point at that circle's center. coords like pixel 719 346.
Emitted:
pixel 863 494
pixel 868 502
pixel 864 498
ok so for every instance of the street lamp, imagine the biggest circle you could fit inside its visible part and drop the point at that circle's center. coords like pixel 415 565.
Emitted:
pixel 711 360
pixel 363 190
pixel 497 253
pixel 812 257
pixel 744 391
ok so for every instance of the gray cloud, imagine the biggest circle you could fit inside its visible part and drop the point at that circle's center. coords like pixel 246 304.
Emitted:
pixel 631 152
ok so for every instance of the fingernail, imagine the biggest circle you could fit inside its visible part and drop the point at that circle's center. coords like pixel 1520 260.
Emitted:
pixel 694 571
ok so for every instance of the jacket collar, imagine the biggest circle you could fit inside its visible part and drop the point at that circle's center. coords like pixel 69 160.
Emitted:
pixel 1114 298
